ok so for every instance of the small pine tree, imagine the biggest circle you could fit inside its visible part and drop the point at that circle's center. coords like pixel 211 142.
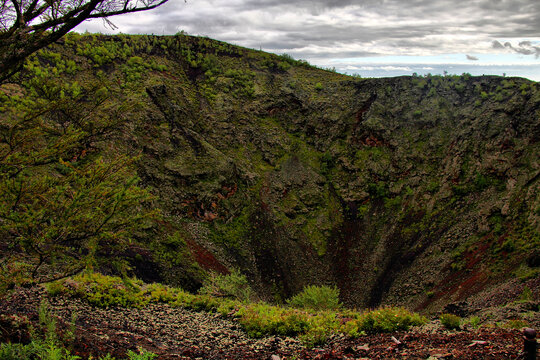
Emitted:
pixel 62 199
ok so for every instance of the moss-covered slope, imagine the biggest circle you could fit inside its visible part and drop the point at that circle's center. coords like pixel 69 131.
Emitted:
pixel 411 190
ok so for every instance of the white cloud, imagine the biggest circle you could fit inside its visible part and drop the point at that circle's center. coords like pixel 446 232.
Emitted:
pixel 321 30
pixel 395 68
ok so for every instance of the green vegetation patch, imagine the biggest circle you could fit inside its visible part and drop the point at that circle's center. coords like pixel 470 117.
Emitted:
pixel 257 319
pixel 47 343
pixel 233 285
pixel 450 321
pixel 316 298
pixel 386 319
pixel 262 319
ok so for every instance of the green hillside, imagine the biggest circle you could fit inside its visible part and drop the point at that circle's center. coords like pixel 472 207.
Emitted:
pixel 172 157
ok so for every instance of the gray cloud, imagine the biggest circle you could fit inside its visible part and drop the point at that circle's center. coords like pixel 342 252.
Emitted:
pixel 473 58
pixel 523 48
pixel 347 28
pixel 497 45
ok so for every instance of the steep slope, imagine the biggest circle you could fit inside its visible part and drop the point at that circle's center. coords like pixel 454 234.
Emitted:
pixel 413 191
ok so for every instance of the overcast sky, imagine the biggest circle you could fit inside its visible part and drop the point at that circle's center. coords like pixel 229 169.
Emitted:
pixel 369 37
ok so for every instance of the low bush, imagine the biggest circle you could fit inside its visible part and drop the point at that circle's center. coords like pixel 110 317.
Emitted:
pixel 474 321
pixel 262 319
pixel 18 351
pixel 450 321
pixel 102 291
pixel 386 319
pixel 35 350
pixel 233 286
pixel 526 294
pixel 513 324
pixel 141 355
pixel 106 291
pixel 320 327
pixel 316 298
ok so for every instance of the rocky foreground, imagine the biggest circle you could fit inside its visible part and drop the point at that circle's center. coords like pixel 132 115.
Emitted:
pixel 176 333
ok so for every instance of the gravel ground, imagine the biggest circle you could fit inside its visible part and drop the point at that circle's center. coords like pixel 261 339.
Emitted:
pixel 176 333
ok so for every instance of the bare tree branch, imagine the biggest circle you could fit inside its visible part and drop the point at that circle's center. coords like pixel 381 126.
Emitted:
pixel 28 14
pixel 17 8
pixel 29 25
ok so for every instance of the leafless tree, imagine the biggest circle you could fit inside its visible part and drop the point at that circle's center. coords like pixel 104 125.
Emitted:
pixel 29 25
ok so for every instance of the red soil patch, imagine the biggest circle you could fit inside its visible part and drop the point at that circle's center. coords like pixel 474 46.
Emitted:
pixel 466 282
pixel 205 258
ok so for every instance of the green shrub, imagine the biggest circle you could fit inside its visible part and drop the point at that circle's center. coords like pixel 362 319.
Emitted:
pixel 460 88
pixel 513 324
pixel 385 319
pixel 481 182
pixel 450 321
pixel 474 321
pixel 283 66
pixel 45 342
pixel 320 327
pixel 48 345
pixel 142 355
pixel 433 186
pixel 313 326
pixel 421 84
pixel 35 350
pixel 262 319
pixel 105 291
pixel 378 190
pixel 234 286
pixel 461 190
pixel 393 202
pixel 288 58
pixel 316 298
pixel 16 351
pixel 526 294
pixel 524 272
pixel 318 86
